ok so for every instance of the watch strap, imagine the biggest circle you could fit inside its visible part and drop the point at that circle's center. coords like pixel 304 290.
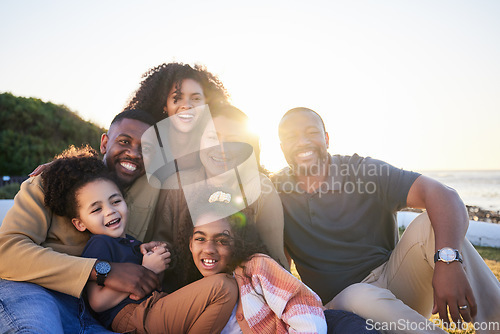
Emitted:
pixel 100 278
pixel 102 269
pixel 457 257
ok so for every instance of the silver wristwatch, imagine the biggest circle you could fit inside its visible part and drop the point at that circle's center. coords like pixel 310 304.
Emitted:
pixel 447 255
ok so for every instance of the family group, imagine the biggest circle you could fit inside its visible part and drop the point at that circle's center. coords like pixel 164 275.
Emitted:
pixel 176 227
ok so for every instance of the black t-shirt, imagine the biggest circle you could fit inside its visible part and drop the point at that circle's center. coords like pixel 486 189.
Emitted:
pixel 347 228
pixel 121 250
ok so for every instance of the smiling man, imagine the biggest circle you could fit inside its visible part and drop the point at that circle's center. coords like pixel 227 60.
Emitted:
pixel 121 147
pixel 122 150
pixel 341 232
pixel 41 271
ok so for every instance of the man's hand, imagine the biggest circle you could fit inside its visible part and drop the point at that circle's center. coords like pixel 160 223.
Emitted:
pixel 452 290
pixel 39 170
pixel 157 260
pixel 131 278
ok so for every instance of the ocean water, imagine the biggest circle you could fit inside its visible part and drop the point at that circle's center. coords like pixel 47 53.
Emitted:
pixel 479 188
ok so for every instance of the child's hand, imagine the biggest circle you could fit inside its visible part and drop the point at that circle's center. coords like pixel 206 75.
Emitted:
pixel 150 246
pixel 157 260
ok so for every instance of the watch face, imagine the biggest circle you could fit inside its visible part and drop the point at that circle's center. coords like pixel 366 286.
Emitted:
pixel 103 268
pixel 447 254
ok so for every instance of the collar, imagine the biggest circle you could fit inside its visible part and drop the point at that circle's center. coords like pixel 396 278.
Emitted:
pixel 127 240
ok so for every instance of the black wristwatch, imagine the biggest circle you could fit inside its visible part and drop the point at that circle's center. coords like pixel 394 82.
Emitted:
pixel 447 255
pixel 102 269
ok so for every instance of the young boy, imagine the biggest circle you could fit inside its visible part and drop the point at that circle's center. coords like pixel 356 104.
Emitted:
pixel 79 186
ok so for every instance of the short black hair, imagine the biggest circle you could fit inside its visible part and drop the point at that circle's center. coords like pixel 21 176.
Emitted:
pixel 298 109
pixel 135 114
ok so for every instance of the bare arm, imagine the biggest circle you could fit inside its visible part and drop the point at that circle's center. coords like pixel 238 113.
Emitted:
pixel 102 298
pixel 450 221
pixel 270 222
pixel 134 279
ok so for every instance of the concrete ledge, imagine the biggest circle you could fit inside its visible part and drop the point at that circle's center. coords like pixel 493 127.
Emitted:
pixel 5 205
pixel 479 233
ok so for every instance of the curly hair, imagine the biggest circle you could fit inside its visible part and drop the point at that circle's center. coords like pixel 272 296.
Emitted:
pixel 69 172
pixel 246 243
pixel 158 82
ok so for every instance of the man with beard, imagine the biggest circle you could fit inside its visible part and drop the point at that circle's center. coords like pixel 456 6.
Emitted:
pixel 341 232
pixel 41 271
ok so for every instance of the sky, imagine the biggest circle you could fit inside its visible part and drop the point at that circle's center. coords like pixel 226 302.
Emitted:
pixel 413 83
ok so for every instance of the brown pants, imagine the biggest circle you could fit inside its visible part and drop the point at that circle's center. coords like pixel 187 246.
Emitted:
pixel 200 307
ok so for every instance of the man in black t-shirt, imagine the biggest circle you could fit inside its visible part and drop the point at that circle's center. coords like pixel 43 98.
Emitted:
pixel 341 232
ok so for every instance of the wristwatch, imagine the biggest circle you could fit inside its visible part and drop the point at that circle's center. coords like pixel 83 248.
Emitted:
pixel 102 269
pixel 447 255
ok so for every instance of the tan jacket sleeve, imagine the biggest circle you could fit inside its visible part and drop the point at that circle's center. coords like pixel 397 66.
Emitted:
pixel 39 247
pixel 270 221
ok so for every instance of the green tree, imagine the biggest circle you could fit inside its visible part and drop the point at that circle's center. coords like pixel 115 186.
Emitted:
pixel 32 132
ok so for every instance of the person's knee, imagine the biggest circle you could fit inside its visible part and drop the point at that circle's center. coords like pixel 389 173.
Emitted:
pixel 224 286
pixel 421 225
pixel 359 296
pixel 26 307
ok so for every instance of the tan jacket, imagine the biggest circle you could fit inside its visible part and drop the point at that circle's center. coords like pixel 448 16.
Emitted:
pixel 40 247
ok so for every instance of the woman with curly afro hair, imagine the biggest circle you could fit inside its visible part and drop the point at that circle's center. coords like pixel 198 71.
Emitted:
pixel 171 88
pixel 179 96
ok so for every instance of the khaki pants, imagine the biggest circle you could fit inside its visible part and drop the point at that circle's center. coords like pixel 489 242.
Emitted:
pixel 398 295
pixel 200 307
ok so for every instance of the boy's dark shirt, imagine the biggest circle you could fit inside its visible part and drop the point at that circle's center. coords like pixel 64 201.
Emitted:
pixel 120 250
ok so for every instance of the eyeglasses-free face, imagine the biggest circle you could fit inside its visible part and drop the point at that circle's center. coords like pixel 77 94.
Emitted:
pixel 212 246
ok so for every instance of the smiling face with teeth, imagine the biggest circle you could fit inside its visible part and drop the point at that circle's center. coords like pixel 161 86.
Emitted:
pixel 211 246
pixel 214 155
pixel 101 209
pixel 304 141
pixel 121 147
pixel 184 103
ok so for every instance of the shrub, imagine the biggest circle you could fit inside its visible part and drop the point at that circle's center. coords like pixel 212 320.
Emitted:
pixel 9 191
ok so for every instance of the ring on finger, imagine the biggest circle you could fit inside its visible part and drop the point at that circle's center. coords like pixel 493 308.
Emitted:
pixel 464 307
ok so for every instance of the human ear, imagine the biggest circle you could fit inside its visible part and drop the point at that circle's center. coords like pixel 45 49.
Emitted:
pixel 78 224
pixel 104 142
pixel 327 139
